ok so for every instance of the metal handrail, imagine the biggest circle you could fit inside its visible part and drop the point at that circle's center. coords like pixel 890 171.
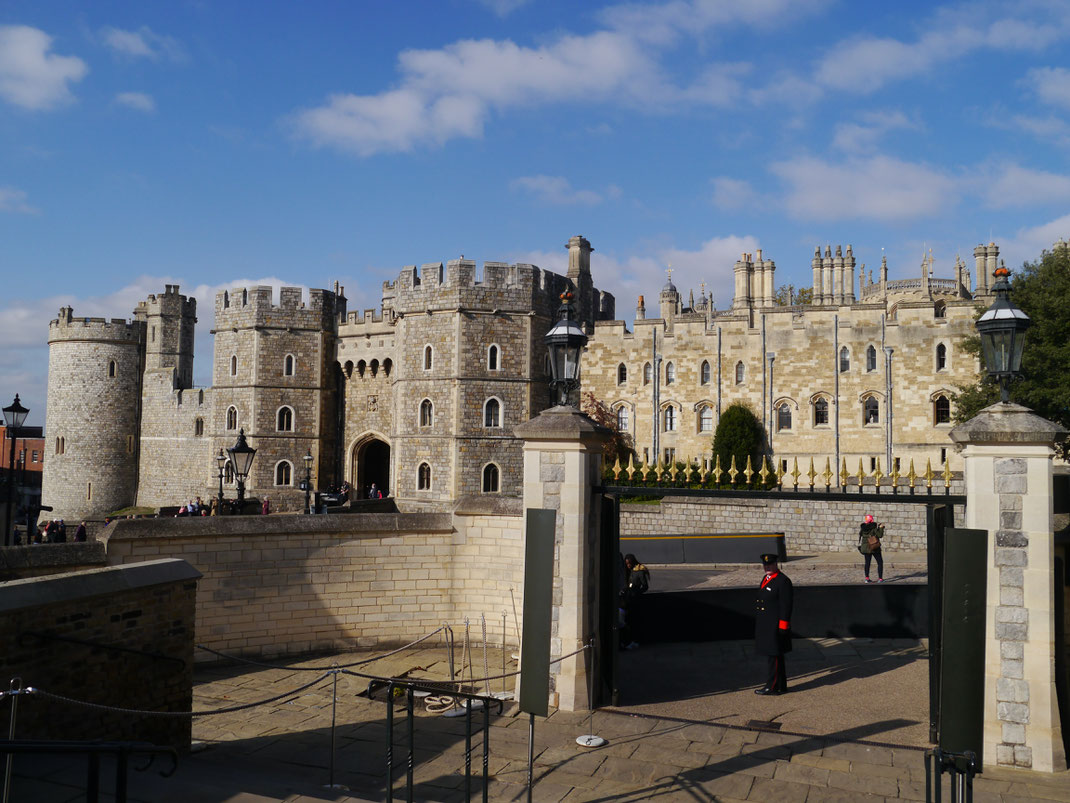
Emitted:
pixel 94 750
pixel 409 687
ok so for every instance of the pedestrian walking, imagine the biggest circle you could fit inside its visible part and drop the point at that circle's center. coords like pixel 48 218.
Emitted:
pixel 81 534
pixel 870 534
pixel 772 624
pixel 265 507
pixel 636 583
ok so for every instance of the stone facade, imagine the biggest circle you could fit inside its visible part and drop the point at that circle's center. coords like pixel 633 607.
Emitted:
pixel 422 395
pixel 817 374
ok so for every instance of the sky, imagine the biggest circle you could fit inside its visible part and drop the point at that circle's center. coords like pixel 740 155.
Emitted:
pixel 214 145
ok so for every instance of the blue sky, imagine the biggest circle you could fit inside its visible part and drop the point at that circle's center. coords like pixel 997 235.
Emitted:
pixel 216 144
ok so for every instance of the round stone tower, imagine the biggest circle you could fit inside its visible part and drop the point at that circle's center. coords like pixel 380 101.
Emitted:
pixel 91 422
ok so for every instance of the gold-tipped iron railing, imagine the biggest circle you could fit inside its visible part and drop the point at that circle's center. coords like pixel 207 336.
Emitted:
pixel 689 474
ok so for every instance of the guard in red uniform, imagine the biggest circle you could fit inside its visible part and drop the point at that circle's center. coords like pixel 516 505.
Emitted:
pixel 772 624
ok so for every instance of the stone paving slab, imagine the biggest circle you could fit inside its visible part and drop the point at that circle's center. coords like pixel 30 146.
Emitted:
pixel 281 752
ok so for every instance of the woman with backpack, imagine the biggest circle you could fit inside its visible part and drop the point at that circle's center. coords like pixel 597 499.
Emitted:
pixel 870 534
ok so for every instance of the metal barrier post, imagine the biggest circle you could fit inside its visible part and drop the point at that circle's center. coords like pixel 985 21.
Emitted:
pixel 390 742
pixel 15 689
pixel 486 746
pixel 412 739
pixel 121 759
pixel 468 748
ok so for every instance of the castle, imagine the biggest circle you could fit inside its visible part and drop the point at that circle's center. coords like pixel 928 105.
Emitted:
pixel 421 396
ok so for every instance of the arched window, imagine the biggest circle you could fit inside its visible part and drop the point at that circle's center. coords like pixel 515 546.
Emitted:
pixel 388 365
pixel 490 479
pixel 941 357
pixel 228 472
pixel 226 299
pixel 427 413
pixel 288 365
pixel 670 418
pixel 428 358
pixel 111 369
pixel 423 477
pixel 232 418
pixel 704 372
pixel 622 418
pixel 129 444
pixel 670 373
pixel 941 410
pixel 284 421
pixel 871 359
pixel 198 427
pixel 234 365
pixel 283 473
pixel 845 360
pixel 622 374
pixel 492 413
pixel 871 410
pixel 821 413
pixel 59 445
pixel 492 358
pixel 244 297
pixel 361 368
pixel 741 373
pixel 648 374
pixel 940 310
pixel 374 367
pixel 705 419
pixel 783 417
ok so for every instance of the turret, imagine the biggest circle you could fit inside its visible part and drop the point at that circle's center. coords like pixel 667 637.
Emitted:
pixel 849 276
pixel 579 272
pixel 170 319
pixel 669 301
pixel 815 267
pixel 991 263
pixel 640 310
pixel 837 276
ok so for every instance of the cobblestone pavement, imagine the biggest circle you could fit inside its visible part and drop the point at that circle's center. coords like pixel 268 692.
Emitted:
pixel 853 728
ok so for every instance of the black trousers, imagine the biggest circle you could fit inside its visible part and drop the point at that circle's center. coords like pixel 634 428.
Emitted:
pixel 776 673
pixel 880 563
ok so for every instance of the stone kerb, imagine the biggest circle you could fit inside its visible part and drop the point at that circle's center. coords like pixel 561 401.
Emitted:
pixel 562 462
pixel 1008 464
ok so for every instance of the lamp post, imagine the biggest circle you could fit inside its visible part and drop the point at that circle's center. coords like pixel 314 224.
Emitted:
pixel 221 464
pixel 565 340
pixel 14 415
pixel 306 484
pixel 1002 329
pixel 241 456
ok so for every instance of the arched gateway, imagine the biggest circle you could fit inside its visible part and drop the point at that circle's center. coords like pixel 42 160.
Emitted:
pixel 370 463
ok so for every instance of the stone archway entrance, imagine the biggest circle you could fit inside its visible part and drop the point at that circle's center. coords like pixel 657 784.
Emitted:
pixel 371 464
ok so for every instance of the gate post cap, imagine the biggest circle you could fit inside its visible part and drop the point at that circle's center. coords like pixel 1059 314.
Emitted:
pixel 1007 422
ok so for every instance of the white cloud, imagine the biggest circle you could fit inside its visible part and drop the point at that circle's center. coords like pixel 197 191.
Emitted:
pixel 1028 243
pixel 503 8
pixel 142 43
pixel 863 136
pixel 876 188
pixel 1013 185
pixel 645 274
pixel 1051 84
pixel 30 75
pixel 13 199
pixel 555 190
pixel 733 193
pixel 136 100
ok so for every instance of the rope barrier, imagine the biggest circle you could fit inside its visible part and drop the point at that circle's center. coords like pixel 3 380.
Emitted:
pixel 361 662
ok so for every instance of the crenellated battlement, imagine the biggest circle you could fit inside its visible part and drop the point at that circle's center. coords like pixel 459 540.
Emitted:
pixel 255 306
pixel 67 327
pixel 168 303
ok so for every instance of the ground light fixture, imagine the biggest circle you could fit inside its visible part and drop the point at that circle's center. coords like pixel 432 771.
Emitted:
pixel 565 342
pixel 241 457
pixel 1002 329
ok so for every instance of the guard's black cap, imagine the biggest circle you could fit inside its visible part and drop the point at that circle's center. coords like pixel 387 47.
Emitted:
pixel 770 557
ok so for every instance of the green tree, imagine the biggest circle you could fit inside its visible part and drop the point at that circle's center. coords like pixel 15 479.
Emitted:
pixel 1042 290
pixel 739 433
pixel 786 295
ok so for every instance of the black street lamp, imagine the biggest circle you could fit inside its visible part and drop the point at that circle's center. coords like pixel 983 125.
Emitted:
pixel 13 418
pixel 221 464
pixel 565 340
pixel 1002 329
pixel 306 483
pixel 241 457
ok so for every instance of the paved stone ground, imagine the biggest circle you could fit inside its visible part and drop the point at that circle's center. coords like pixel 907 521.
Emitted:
pixel 853 728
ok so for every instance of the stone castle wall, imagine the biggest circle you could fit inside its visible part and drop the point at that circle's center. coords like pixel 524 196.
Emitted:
pixel 808 526
pixel 277 585
pixel 91 423
pixel 806 342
